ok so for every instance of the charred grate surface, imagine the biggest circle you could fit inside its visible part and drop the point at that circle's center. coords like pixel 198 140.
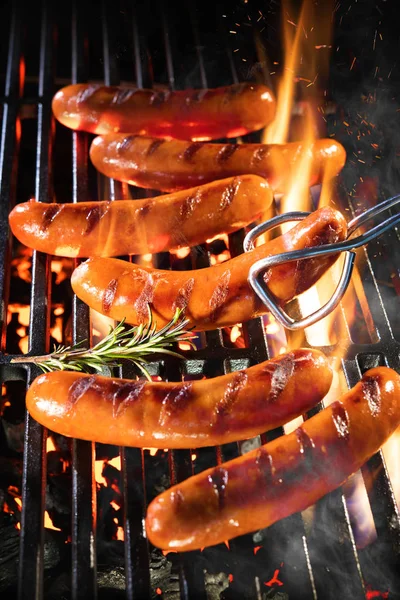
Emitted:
pixel 292 559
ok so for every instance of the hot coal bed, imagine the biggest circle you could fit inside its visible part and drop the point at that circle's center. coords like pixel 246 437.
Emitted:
pixel 92 542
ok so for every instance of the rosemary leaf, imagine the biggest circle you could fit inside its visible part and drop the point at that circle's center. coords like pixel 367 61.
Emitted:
pixel 119 344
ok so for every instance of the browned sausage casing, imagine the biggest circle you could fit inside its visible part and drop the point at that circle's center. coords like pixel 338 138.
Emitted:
pixel 284 476
pixel 181 415
pixel 188 114
pixel 185 218
pixel 173 165
pixel 217 296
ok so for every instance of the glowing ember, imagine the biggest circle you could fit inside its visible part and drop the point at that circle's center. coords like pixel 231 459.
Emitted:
pixel 235 333
pixel 98 472
pixel 181 252
pixel 184 346
pixel 115 462
pixel 50 444
pixel 370 594
pixel 274 580
pixel 230 577
pixel 48 523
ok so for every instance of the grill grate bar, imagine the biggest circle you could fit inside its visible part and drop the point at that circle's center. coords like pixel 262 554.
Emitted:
pixel 84 514
pixel 34 466
pixel 8 152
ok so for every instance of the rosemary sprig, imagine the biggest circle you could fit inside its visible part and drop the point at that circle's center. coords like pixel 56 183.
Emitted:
pixel 120 344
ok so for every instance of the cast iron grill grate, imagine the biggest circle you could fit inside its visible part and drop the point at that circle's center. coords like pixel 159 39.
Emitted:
pixel 147 43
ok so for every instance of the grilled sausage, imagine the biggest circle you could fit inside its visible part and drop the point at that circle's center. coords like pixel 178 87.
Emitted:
pixel 282 477
pixel 185 218
pixel 173 165
pixel 187 115
pixel 213 297
pixel 187 414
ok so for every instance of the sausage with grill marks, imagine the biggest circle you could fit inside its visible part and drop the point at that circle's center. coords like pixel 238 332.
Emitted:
pixel 116 228
pixel 173 165
pixel 216 296
pixel 181 415
pixel 187 115
pixel 282 477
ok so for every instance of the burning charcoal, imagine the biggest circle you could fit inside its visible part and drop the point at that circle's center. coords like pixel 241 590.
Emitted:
pixel 106 526
pixel 110 553
pixel 62 443
pixel 106 451
pixel 14 433
pixel 10 472
pixel 112 475
pixel 217 247
pixel 20 291
pixel 55 548
pixel 57 586
pixel 58 500
pixel 13 337
pixel 9 551
pixel 55 463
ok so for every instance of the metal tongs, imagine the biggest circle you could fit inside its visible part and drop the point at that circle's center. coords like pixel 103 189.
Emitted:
pixel 346 246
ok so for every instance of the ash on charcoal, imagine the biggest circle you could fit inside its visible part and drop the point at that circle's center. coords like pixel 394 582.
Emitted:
pixel 110 581
pixel 160 570
pixel 215 584
pixel 274 595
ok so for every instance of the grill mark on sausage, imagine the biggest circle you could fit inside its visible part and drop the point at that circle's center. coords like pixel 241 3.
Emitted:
pixel 372 393
pixel 229 194
pixel 94 216
pixel 190 204
pixel 188 154
pixel 177 499
pixel 126 394
pixel 340 420
pixel 49 215
pixel 196 96
pixel 219 295
pixel 219 480
pixel 226 152
pixel 159 97
pixel 175 401
pixel 123 145
pixel 184 293
pixel 306 449
pixel 258 155
pixel 265 466
pixel 109 295
pixel 155 144
pixel 78 389
pixel 86 92
pixel 280 372
pixel 230 396
pixel 145 298
pixel 122 95
pixel 237 89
